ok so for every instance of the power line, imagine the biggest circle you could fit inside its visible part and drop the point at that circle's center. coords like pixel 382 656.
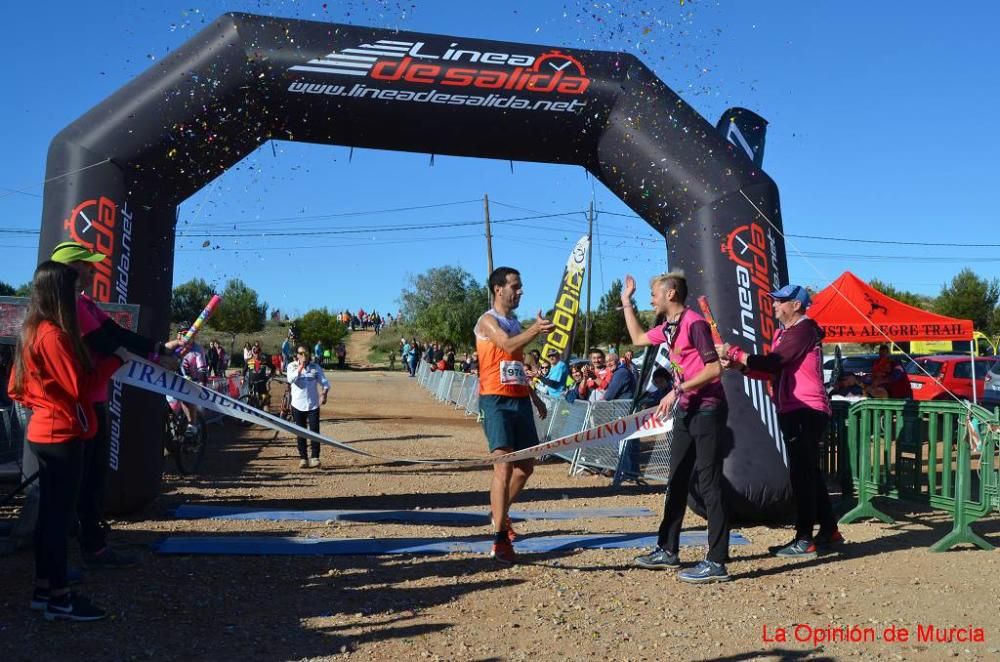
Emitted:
pixel 888 242
pixel 893 243
pixel 317 217
pixel 356 230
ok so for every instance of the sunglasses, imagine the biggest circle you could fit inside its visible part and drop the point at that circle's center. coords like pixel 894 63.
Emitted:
pixel 301 353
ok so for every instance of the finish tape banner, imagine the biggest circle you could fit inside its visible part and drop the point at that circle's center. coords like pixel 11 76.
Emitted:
pixel 143 374
pixel 567 304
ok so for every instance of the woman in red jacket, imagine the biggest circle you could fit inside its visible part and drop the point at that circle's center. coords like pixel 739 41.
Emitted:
pixel 52 377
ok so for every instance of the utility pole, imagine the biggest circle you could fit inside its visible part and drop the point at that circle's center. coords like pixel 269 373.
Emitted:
pixel 590 252
pixel 489 247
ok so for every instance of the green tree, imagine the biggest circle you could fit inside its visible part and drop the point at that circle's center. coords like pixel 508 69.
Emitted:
pixel 443 304
pixel 23 290
pixel 910 298
pixel 6 290
pixel 321 325
pixel 189 300
pixel 240 311
pixel 970 297
pixel 609 322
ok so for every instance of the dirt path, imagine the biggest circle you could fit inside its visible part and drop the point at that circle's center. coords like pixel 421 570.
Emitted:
pixel 563 605
pixel 358 344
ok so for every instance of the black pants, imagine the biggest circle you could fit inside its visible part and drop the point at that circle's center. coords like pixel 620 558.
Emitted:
pixel 59 470
pixel 94 475
pixel 802 430
pixel 696 448
pixel 310 421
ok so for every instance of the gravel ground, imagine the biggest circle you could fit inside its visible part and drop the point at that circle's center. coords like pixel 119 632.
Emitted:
pixel 566 605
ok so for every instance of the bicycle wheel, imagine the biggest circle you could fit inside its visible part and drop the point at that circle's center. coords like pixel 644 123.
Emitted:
pixel 169 438
pixel 191 449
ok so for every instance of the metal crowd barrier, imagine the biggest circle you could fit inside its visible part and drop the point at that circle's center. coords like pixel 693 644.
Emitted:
pixel 423 372
pixel 603 457
pixel 472 406
pixel 542 424
pixel 924 452
pixel 470 389
pixel 567 418
pixel 445 380
pixel 456 387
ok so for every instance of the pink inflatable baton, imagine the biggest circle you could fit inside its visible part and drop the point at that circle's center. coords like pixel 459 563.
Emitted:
pixel 189 335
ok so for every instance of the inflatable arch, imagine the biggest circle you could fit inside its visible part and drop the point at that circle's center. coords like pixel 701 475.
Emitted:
pixel 116 176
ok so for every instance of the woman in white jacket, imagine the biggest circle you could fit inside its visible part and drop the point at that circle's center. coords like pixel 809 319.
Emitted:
pixel 306 377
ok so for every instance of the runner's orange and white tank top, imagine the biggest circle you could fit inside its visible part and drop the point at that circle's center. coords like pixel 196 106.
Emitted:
pixel 500 372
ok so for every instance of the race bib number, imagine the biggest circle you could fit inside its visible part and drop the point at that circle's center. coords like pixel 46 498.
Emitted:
pixel 512 372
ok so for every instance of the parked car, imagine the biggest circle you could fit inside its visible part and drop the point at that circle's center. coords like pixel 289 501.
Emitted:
pixel 952 372
pixel 858 364
pixel 991 390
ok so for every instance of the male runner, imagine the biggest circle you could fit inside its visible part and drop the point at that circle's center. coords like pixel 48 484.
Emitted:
pixel 503 399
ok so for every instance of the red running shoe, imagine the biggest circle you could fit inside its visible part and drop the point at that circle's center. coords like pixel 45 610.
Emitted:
pixel 504 553
pixel 824 539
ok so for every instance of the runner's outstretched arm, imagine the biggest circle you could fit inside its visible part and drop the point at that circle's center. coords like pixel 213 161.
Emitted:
pixel 510 344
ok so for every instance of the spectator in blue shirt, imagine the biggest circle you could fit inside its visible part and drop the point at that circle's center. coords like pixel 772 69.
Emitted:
pixel 622 384
pixel 287 350
pixel 555 381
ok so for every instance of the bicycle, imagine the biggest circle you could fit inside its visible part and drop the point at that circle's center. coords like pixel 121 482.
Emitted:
pixel 285 412
pixel 187 450
pixel 251 398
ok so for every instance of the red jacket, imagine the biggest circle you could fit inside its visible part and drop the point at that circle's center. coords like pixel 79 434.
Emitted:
pixel 56 389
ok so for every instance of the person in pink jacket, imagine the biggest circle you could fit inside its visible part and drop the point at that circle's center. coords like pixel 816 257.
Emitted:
pixel 795 368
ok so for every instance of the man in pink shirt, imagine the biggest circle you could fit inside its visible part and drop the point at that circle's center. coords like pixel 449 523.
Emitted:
pixel 699 425
pixel 795 368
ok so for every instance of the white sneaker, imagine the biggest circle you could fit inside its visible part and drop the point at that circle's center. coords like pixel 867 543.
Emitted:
pixel 303 464
pixel 314 462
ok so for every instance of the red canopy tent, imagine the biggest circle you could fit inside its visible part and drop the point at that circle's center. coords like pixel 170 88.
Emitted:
pixel 850 310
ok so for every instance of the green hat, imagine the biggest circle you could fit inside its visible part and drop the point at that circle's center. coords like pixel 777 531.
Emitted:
pixel 71 251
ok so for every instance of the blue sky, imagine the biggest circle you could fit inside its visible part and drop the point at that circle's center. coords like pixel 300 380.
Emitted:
pixel 881 130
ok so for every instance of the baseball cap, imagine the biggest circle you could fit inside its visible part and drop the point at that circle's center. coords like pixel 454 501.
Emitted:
pixel 72 251
pixel 792 293
pixel 552 352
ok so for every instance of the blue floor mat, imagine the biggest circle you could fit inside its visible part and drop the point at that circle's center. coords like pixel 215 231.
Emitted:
pixel 416 516
pixel 277 546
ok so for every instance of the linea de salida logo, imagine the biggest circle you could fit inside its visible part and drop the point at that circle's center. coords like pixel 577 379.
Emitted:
pixel 753 252
pixel 92 223
pixel 413 62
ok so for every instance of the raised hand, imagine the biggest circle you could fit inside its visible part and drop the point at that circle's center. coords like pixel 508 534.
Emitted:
pixel 628 290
